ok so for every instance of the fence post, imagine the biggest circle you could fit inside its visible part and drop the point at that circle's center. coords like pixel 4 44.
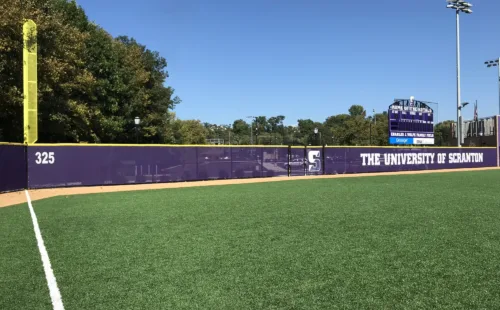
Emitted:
pixel 261 162
pixel 497 123
pixel 26 172
pixel 323 159
pixel 288 159
pixel 305 160
pixel 231 161
pixel 197 159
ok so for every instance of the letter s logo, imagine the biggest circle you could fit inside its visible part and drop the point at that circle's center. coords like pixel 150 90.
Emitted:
pixel 314 161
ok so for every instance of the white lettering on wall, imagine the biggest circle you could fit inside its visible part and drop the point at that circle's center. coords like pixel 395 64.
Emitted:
pixel 461 158
pixel 45 158
pixel 398 159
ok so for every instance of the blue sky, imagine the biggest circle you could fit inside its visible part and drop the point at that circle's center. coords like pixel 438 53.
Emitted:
pixel 311 59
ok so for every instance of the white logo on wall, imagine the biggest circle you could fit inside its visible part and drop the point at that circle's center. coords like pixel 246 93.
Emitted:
pixel 313 157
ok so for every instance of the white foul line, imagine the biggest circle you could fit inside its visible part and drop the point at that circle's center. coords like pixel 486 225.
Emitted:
pixel 55 295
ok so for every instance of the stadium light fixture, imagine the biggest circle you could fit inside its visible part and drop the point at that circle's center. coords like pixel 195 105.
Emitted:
pixel 137 121
pixel 459 6
pixel 316 131
pixel 495 63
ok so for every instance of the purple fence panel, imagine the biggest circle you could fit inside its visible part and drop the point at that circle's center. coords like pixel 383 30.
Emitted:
pixel 59 166
pixel 335 160
pixel 362 160
pixel 171 164
pixel 12 168
pixel 498 140
pixel 275 161
pixel 214 163
pixel 314 161
pixel 297 161
pixel 247 162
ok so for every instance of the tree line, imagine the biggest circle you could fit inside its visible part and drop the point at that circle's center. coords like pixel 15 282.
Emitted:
pixel 355 127
pixel 92 85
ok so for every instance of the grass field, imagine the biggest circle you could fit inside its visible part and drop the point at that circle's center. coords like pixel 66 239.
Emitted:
pixel 389 242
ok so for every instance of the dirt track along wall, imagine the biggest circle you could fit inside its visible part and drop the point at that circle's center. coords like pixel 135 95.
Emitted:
pixel 73 165
pixel 12 167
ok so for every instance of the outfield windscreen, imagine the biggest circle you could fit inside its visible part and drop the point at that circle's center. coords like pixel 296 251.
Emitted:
pixel 61 166
pixel 12 167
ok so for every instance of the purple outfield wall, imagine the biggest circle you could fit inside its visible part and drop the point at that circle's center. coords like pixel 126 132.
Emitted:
pixel 69 165
pixel 12 168
pixel 61 166
pixel 498 140
pixel 365 160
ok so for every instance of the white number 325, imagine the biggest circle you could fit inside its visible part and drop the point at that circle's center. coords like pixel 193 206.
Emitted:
pixel 45 158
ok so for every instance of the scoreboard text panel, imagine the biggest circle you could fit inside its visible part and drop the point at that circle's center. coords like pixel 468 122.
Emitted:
pixel 411 122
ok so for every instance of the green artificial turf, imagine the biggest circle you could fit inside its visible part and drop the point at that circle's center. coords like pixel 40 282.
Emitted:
pixel 22 280
pixel 389 242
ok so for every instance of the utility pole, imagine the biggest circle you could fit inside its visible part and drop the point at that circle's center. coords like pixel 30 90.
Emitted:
pixel 459 6
pixel 495 63
pixel 460 107
pixel 251 128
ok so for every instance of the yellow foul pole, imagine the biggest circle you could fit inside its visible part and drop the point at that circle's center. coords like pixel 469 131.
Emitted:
pixel 30 82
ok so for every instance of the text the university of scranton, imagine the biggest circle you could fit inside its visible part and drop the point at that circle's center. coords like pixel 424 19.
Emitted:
pixel 398 159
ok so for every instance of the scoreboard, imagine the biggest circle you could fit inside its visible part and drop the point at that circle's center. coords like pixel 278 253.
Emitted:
pixel 411 122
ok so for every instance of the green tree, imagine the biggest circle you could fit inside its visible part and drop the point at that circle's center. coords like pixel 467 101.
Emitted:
pixel 357 110
pixel 379 129
pixel 241 128
pixel 335 129
pixel 91 85
pixel 241 132
pixel 275 125
pixel 61 72
pixel 442 133
pixel 191 132
pixel 291 135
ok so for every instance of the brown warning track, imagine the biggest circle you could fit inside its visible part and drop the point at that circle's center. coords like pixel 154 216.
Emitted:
pixel 14 198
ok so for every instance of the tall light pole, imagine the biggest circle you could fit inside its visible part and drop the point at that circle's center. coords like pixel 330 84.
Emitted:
pixel 462 105
pixel 316 131
pixel 137 121
pixel 495 63
pixel 459 6
pixel 251 128
pixel 374 118
pixel 282 132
